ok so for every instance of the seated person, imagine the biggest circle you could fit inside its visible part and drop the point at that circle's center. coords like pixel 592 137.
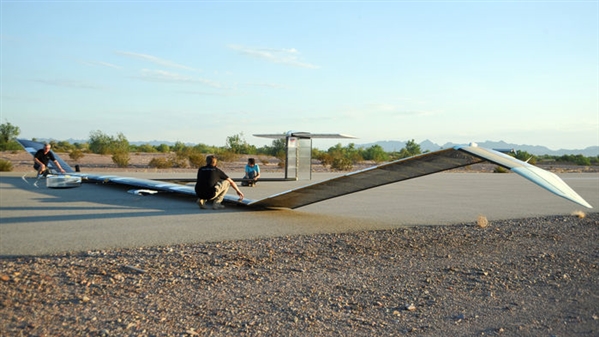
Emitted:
pixel 252 173
pixel 212 184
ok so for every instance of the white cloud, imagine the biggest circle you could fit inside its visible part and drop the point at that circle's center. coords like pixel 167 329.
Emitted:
pixel 281 56
pixel 267 85
pixel 100 63
pixel 156 60
pixel 69 84
pixel 166 76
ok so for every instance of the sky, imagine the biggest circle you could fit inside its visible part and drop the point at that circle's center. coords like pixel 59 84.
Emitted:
pixel 525 72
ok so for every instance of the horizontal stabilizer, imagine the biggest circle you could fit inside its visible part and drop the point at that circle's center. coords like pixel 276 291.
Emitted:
pixel 304 135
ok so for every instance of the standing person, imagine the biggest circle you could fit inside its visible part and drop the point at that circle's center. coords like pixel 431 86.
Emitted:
pixel 41 159
pixel 252 173
pixel 212 184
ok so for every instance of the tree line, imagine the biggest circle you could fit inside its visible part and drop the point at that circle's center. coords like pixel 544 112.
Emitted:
pixel 182 155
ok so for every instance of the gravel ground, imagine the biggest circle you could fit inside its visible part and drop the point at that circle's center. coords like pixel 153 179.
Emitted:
pixel 525 277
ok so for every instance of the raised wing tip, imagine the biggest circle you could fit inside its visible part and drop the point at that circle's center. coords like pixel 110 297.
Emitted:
pixel 543 178
pixel 551 182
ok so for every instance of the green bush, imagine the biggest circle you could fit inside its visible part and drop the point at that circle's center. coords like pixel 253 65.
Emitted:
pixel 11 145
pixel 163 148
pixel 226 156
pixel 76 154
pixel 197 160
pixel 342 164
pixel 5 165
pixel 325 159
pixel 146 148
pixel 121 158
pixel 500 169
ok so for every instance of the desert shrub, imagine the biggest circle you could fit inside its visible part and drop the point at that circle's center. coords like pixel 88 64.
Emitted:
pixel 8 133
pixel 11 145
pixel 375 153
pixel 146 148
pixel 179 160
pixel 163 148
pixel 500 169
pixel 264 160
pixel 100 142
pixel 160 163
pixel 227 156
pixel 62 146
pixel 526 157
pixel 197 160
pixel 5 165
pixel 342 164
pixel 237 144
pixel 76 154
pixel 121 158
pixel 575 159
pixel 325 159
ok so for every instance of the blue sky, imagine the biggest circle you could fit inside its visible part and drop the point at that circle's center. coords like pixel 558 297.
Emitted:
pixel 198 71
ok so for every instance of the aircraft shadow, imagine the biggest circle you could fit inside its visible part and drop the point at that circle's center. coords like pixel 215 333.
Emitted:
pixel 90 201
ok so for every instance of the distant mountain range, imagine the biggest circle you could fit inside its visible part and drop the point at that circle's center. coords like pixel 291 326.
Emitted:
pixel 427 145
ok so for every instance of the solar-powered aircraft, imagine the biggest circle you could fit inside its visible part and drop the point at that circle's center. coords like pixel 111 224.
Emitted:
pixel 299 148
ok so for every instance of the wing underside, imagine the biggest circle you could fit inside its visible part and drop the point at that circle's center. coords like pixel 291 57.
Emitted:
pixel 414 167
pixel 369 178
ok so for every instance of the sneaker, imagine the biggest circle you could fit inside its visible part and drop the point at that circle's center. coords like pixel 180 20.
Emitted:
pixel 217 205
pixel 201 203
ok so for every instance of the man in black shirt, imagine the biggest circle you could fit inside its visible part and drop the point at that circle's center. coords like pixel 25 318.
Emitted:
pixel 41 159
pixel 212 184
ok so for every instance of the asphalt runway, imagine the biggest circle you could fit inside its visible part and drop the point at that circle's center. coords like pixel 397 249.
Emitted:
pixel 40 221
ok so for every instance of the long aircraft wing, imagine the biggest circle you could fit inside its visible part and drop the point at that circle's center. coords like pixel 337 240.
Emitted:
pixel 369 178
pixel 414 167
pixel 383 174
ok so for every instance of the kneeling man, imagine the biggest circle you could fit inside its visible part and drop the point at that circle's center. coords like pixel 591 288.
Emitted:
pixel 212 184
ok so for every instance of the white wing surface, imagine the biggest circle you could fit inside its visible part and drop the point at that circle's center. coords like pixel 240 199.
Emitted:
pixel 543 178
